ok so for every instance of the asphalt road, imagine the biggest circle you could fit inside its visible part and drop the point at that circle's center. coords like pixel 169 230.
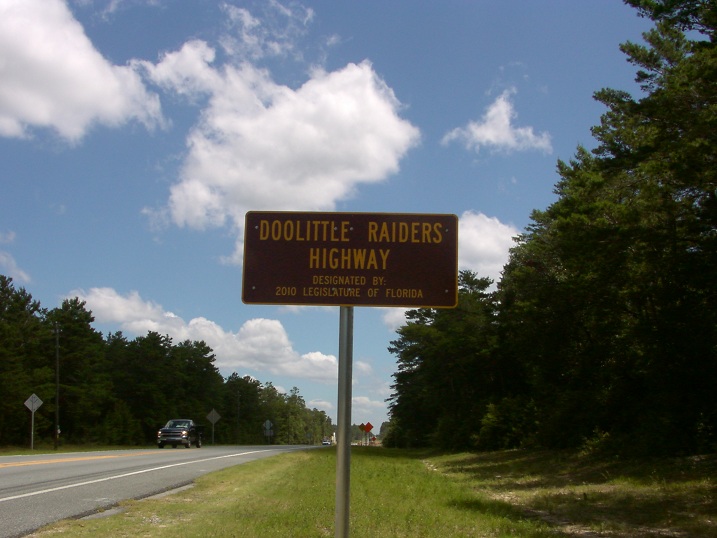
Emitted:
pixel 40 489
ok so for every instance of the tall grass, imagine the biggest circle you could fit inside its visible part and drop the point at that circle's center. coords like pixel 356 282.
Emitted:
pixel 397 493
pixel 393 494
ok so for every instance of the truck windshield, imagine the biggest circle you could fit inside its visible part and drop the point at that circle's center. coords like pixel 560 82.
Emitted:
pixel 177 424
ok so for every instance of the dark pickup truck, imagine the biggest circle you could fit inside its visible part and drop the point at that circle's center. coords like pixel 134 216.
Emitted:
pixel 180 431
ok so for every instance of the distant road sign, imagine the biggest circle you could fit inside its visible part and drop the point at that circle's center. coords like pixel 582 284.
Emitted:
pixel 33 403
pixel 351 259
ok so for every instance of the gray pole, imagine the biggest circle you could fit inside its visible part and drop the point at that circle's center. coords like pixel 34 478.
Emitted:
pixel 57 385
pixel 343 445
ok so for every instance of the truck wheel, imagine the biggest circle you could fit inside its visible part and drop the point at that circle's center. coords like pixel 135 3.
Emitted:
pixel 189 443
pixel 199 442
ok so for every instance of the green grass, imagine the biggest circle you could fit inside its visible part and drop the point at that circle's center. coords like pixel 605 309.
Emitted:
pixel 615 498
pixel 396 493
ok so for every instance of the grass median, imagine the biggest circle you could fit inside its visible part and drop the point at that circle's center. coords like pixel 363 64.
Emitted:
pixel 399 493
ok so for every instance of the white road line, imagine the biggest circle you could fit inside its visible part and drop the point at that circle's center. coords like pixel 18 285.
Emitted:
pixel 89 482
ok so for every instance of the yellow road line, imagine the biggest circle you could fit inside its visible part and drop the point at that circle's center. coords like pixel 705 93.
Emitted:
pixel 66 460
pixel 125 475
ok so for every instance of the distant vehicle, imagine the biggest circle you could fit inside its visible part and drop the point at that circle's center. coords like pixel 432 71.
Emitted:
pixel 180 431
pixel 326 442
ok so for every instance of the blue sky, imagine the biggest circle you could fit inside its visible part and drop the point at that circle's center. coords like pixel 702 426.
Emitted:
pixel 135 135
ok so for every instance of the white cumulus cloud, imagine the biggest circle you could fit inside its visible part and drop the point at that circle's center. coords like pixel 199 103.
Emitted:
pixel 363 409
pixel 496 130
pixel 51 76
pixel 259 344
pixel 8 265
pixel 263 145
pixel 484 243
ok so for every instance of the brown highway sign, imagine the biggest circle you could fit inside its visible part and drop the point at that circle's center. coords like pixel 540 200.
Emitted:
pixel 350 259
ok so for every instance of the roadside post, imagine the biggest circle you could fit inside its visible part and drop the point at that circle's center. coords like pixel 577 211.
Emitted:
pixel 407 260
pixel 367 431
pixel 268 431
pixel 33 403
pixel 213 417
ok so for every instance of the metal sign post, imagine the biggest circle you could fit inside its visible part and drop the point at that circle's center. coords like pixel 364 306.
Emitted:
pixel 343 450
pixel 33 403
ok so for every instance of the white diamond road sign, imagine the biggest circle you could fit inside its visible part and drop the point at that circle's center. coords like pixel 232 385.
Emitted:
pixel 213 416
pixel 33 403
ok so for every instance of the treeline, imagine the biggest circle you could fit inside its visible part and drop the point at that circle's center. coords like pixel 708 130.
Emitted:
pixel 602 332
pixel 118 391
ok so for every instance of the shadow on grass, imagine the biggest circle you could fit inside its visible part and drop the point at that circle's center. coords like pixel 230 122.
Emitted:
pixel 490 507
pixel 635 498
